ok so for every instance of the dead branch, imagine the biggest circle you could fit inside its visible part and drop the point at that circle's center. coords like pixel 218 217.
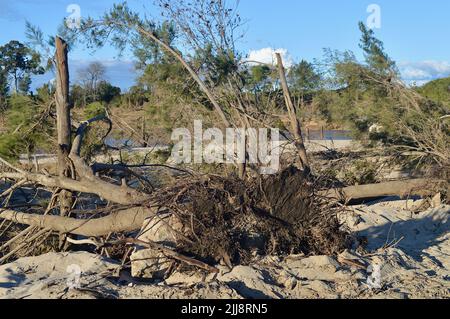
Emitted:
pixel 88 183
pixel 17 237
pixel 169 253
pixel 295 123
pixel 126 220
pixel 23 244
pixel 133 218
pixel 77 142
pixel 398 188
pixel 5 162
pixel 13 188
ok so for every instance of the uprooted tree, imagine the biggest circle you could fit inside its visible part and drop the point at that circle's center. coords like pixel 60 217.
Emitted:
pixel 291 211
pixel 214 212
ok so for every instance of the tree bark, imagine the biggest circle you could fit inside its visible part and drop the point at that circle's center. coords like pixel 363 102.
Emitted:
pixel 127 220
pixel 62 105
pixel 295 123
pixel 113 193
pixel 63 124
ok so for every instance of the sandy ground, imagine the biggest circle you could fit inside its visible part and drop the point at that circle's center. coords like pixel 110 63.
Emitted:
pixel 407 256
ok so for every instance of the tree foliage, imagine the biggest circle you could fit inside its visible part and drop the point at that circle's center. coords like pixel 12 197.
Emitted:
pixel 304 78
pixel 370 98
pixel 28 127
pixel 437 90
pixel 376 57
pixel 18 62
pixel 4 90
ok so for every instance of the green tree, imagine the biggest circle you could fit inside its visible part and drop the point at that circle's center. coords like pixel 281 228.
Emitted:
pixel 90 78
pixel 136 96
pixel 304 79
pixel 4 89
pixel 370 98
pixel 45 93
pixel 94 109
pixel 19 62
pixel 107 92
pixel 78 96
pixel 437 90
pixel 25 84
pixel 260 77
pixel 28 127
pixel 363 90
pixel 148 52
pixel 376 57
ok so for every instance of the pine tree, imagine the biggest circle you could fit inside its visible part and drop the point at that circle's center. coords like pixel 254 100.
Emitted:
pixel 376 58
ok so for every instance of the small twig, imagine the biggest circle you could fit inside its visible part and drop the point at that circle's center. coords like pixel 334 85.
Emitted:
pixel 12 167
pixel 168 252
pixel 13 188
pixel 23 244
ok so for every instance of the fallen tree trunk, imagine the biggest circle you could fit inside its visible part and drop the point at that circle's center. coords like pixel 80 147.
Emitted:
pixel 113 193
pixel 414 187
pixel 86 181
pixel 127 220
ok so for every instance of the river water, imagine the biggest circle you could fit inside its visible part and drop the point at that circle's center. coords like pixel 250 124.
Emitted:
pixel 311 135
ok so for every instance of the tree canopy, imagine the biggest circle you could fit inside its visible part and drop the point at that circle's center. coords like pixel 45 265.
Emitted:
pixel 19 62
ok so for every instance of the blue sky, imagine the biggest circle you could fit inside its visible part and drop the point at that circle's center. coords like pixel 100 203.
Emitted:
pixel 415 33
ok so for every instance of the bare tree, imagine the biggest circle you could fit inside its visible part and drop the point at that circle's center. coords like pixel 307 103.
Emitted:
pixel 91 76
pixel 296 129
pixel 63 125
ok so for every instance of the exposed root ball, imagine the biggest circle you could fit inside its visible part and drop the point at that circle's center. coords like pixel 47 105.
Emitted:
pixel 232 220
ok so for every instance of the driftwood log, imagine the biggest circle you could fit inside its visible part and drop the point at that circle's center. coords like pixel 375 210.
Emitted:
pixel 126 220
pixel 413 187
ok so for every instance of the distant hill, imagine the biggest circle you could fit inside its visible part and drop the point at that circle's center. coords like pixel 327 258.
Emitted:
pixel 437 90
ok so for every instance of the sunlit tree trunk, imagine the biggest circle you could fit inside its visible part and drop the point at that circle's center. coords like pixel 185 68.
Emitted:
pixel 63 125
pixel 295 122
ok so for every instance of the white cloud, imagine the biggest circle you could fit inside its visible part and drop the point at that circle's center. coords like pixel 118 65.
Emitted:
pixel 267 56
pixel 424 71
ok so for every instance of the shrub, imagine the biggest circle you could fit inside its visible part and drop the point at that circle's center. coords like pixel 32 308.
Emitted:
pixel 94 109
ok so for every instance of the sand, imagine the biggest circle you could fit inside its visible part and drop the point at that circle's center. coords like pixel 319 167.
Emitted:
pixel 407 256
